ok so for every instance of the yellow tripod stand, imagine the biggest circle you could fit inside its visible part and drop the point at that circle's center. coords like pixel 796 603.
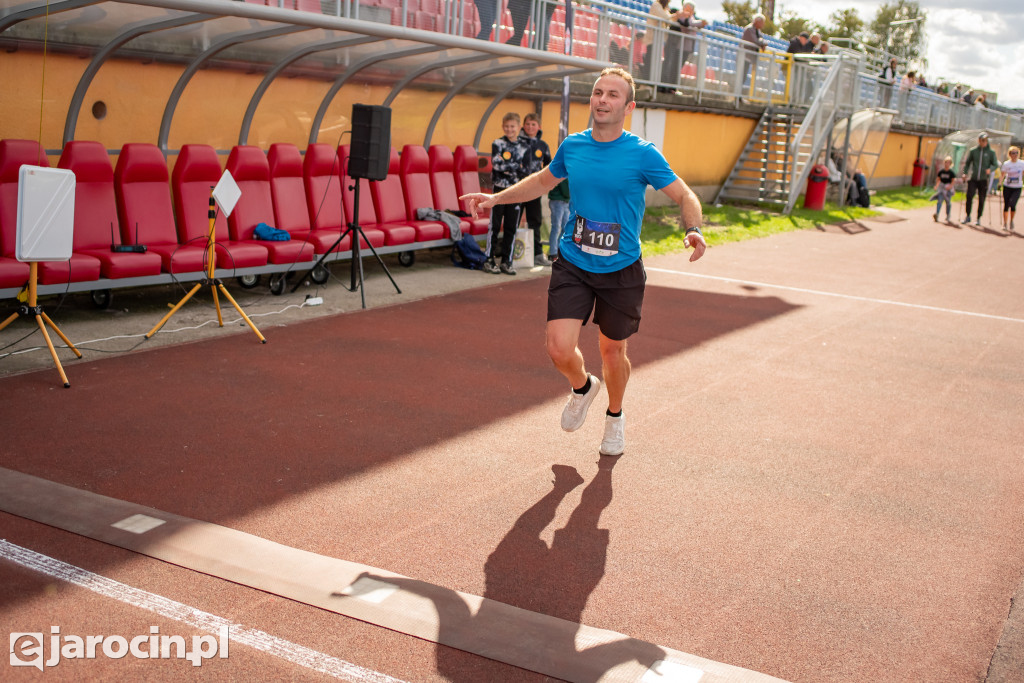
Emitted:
pixel 214 283
pixel 35 310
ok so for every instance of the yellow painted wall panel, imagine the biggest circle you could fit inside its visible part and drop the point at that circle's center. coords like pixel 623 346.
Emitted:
pixel 896 163
pixel 702 148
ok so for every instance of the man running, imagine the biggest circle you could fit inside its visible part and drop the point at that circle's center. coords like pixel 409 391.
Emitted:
pixel 599 268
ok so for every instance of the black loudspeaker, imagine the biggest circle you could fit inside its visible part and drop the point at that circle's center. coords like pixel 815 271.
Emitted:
pixel 370 152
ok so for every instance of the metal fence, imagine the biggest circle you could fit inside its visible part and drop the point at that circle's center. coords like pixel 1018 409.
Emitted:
pixel 713 65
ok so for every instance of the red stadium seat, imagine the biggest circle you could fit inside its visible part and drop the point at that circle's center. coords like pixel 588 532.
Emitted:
pixel 96 223
pixel 322 183
pixel 379 234
pixel 425 21
pixel 13 155
pixel 413 169
pixel 249 167
pixel 196 172
pixel 321 172
pixel 328 197
pixel 143 189
pixel 389 199
pixel 467 174
pixel 302 5
pixel 287 189
pixel 442 184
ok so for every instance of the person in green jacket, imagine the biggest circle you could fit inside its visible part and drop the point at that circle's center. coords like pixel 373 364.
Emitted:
pixel 981 161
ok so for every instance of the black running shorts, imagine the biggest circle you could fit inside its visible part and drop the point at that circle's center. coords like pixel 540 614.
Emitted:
pixel 614 298
pixel 1010 197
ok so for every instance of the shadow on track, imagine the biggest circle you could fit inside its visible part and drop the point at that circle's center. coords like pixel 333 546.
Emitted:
pixel 524 572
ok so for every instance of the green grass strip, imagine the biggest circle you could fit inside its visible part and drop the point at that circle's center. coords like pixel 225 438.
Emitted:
pixel 735 222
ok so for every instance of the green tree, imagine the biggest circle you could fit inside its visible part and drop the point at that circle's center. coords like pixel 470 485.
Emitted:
pixel 739 12
pixel 906 38
pixel 845 23
pixel 789 25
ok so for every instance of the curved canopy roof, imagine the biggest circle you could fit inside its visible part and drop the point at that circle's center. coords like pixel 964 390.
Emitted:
pixel 282 42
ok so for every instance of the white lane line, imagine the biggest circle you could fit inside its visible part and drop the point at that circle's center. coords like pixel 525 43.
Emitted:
pixel 851 297
pixel 278 647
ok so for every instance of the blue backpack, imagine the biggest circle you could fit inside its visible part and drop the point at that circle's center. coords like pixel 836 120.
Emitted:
pixel 466 253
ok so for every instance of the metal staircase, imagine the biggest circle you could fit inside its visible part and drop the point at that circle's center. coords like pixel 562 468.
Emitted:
pixel 762 172
pixel 777 159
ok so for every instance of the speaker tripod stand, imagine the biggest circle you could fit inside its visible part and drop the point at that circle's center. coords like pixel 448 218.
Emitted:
pixel 32 308
pixel 356 267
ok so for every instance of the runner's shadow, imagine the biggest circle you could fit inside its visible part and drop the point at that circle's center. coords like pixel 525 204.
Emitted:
pixel 987 230
pixel 849 227
pixel 524 573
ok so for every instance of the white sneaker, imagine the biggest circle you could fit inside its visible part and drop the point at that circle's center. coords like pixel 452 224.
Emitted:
pixel 614 441
pixel 575 412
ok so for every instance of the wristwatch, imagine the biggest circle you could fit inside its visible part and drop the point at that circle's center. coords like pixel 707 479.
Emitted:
pixel 695 229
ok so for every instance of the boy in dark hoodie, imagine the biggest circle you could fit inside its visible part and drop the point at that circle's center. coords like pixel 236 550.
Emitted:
pixel 508 167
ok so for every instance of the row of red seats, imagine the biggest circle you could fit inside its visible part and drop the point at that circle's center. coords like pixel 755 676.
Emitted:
pixel 139 202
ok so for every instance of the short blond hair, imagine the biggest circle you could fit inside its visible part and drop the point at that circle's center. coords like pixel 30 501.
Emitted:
pixel 511 116
pixel 624 75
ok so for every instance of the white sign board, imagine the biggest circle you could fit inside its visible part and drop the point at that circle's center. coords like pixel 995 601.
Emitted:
pixel 227 193
pixel 46 214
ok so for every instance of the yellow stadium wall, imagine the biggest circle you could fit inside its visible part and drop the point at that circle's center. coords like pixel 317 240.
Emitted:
pixel 896 163
pixel 212 106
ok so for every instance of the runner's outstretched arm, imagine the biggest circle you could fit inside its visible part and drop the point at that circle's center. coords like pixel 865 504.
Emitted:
pixel 530 187
pixel 690 215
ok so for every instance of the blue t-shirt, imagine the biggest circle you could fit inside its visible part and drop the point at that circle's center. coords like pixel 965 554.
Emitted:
pixel 607 184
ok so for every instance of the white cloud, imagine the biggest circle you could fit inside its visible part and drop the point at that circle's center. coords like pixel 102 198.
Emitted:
pixel 981 46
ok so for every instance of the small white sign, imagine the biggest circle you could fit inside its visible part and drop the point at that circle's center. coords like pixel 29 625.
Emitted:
pixel 138 524
pixel 370 590
pixel 227 193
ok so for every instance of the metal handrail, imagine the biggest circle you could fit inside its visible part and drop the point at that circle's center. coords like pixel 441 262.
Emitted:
pixel 818 120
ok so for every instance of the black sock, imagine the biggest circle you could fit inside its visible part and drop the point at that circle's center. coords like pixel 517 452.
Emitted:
pixel 609 413
pixel 584 389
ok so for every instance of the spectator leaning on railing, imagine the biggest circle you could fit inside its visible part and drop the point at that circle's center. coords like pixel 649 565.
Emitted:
pixel 753 42
pixel 800 44
pixel 888 79
pixel 659 15
pixel 688 23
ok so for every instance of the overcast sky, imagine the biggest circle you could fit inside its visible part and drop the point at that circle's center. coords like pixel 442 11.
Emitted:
pixel 981 45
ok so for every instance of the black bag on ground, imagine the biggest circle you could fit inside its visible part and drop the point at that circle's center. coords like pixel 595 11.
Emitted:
pixel 466 253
